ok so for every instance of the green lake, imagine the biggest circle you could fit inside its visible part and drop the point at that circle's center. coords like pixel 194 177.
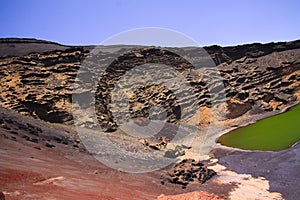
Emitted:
pixel 271 134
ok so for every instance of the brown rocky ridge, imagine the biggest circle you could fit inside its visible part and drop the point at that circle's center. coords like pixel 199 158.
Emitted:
pixel 263 79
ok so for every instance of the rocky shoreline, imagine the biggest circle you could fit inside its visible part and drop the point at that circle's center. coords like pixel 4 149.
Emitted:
pixel 248 120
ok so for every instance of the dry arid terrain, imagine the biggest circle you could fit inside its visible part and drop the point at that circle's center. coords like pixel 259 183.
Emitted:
pixel 43 156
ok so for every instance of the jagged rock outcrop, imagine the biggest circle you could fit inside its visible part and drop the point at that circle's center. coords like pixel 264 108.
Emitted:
pixel 187 171
pixel 241 52
pixel 256 78
pixel 40 85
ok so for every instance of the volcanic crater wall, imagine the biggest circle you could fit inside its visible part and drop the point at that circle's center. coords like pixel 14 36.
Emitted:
pixel 256 77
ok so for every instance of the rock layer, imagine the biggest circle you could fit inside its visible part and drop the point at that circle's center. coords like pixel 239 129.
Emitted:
pixel 256 78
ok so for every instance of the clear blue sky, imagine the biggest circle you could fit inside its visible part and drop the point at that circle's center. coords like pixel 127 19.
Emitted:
pixel 223 22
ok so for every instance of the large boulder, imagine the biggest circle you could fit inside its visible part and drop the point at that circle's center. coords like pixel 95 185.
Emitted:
pixel 186 171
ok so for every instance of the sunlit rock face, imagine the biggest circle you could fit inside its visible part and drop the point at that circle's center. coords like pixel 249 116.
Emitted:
pixel 257 78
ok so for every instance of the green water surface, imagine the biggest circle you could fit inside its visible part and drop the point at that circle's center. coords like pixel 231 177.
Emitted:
pixel 271 134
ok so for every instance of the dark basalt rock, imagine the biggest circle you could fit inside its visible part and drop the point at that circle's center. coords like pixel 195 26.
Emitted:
pixel 49 145
pixel 2 196
pixel 187 171
pixel 237 109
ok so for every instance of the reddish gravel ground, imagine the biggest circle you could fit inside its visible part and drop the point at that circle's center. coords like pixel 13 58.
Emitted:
pixel 190 196
pixel 29 173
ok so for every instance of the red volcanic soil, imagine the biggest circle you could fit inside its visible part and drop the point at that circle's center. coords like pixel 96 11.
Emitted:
pixel 29 173
pixel 190 196
pixel 33 170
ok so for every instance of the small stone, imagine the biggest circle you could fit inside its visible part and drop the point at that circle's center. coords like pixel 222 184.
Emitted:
pixel 2 196
pixel 38 148
pixel 49 145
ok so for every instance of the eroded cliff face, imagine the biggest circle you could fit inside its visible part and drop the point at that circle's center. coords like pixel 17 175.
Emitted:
pixel 40 85
pixel 257 78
